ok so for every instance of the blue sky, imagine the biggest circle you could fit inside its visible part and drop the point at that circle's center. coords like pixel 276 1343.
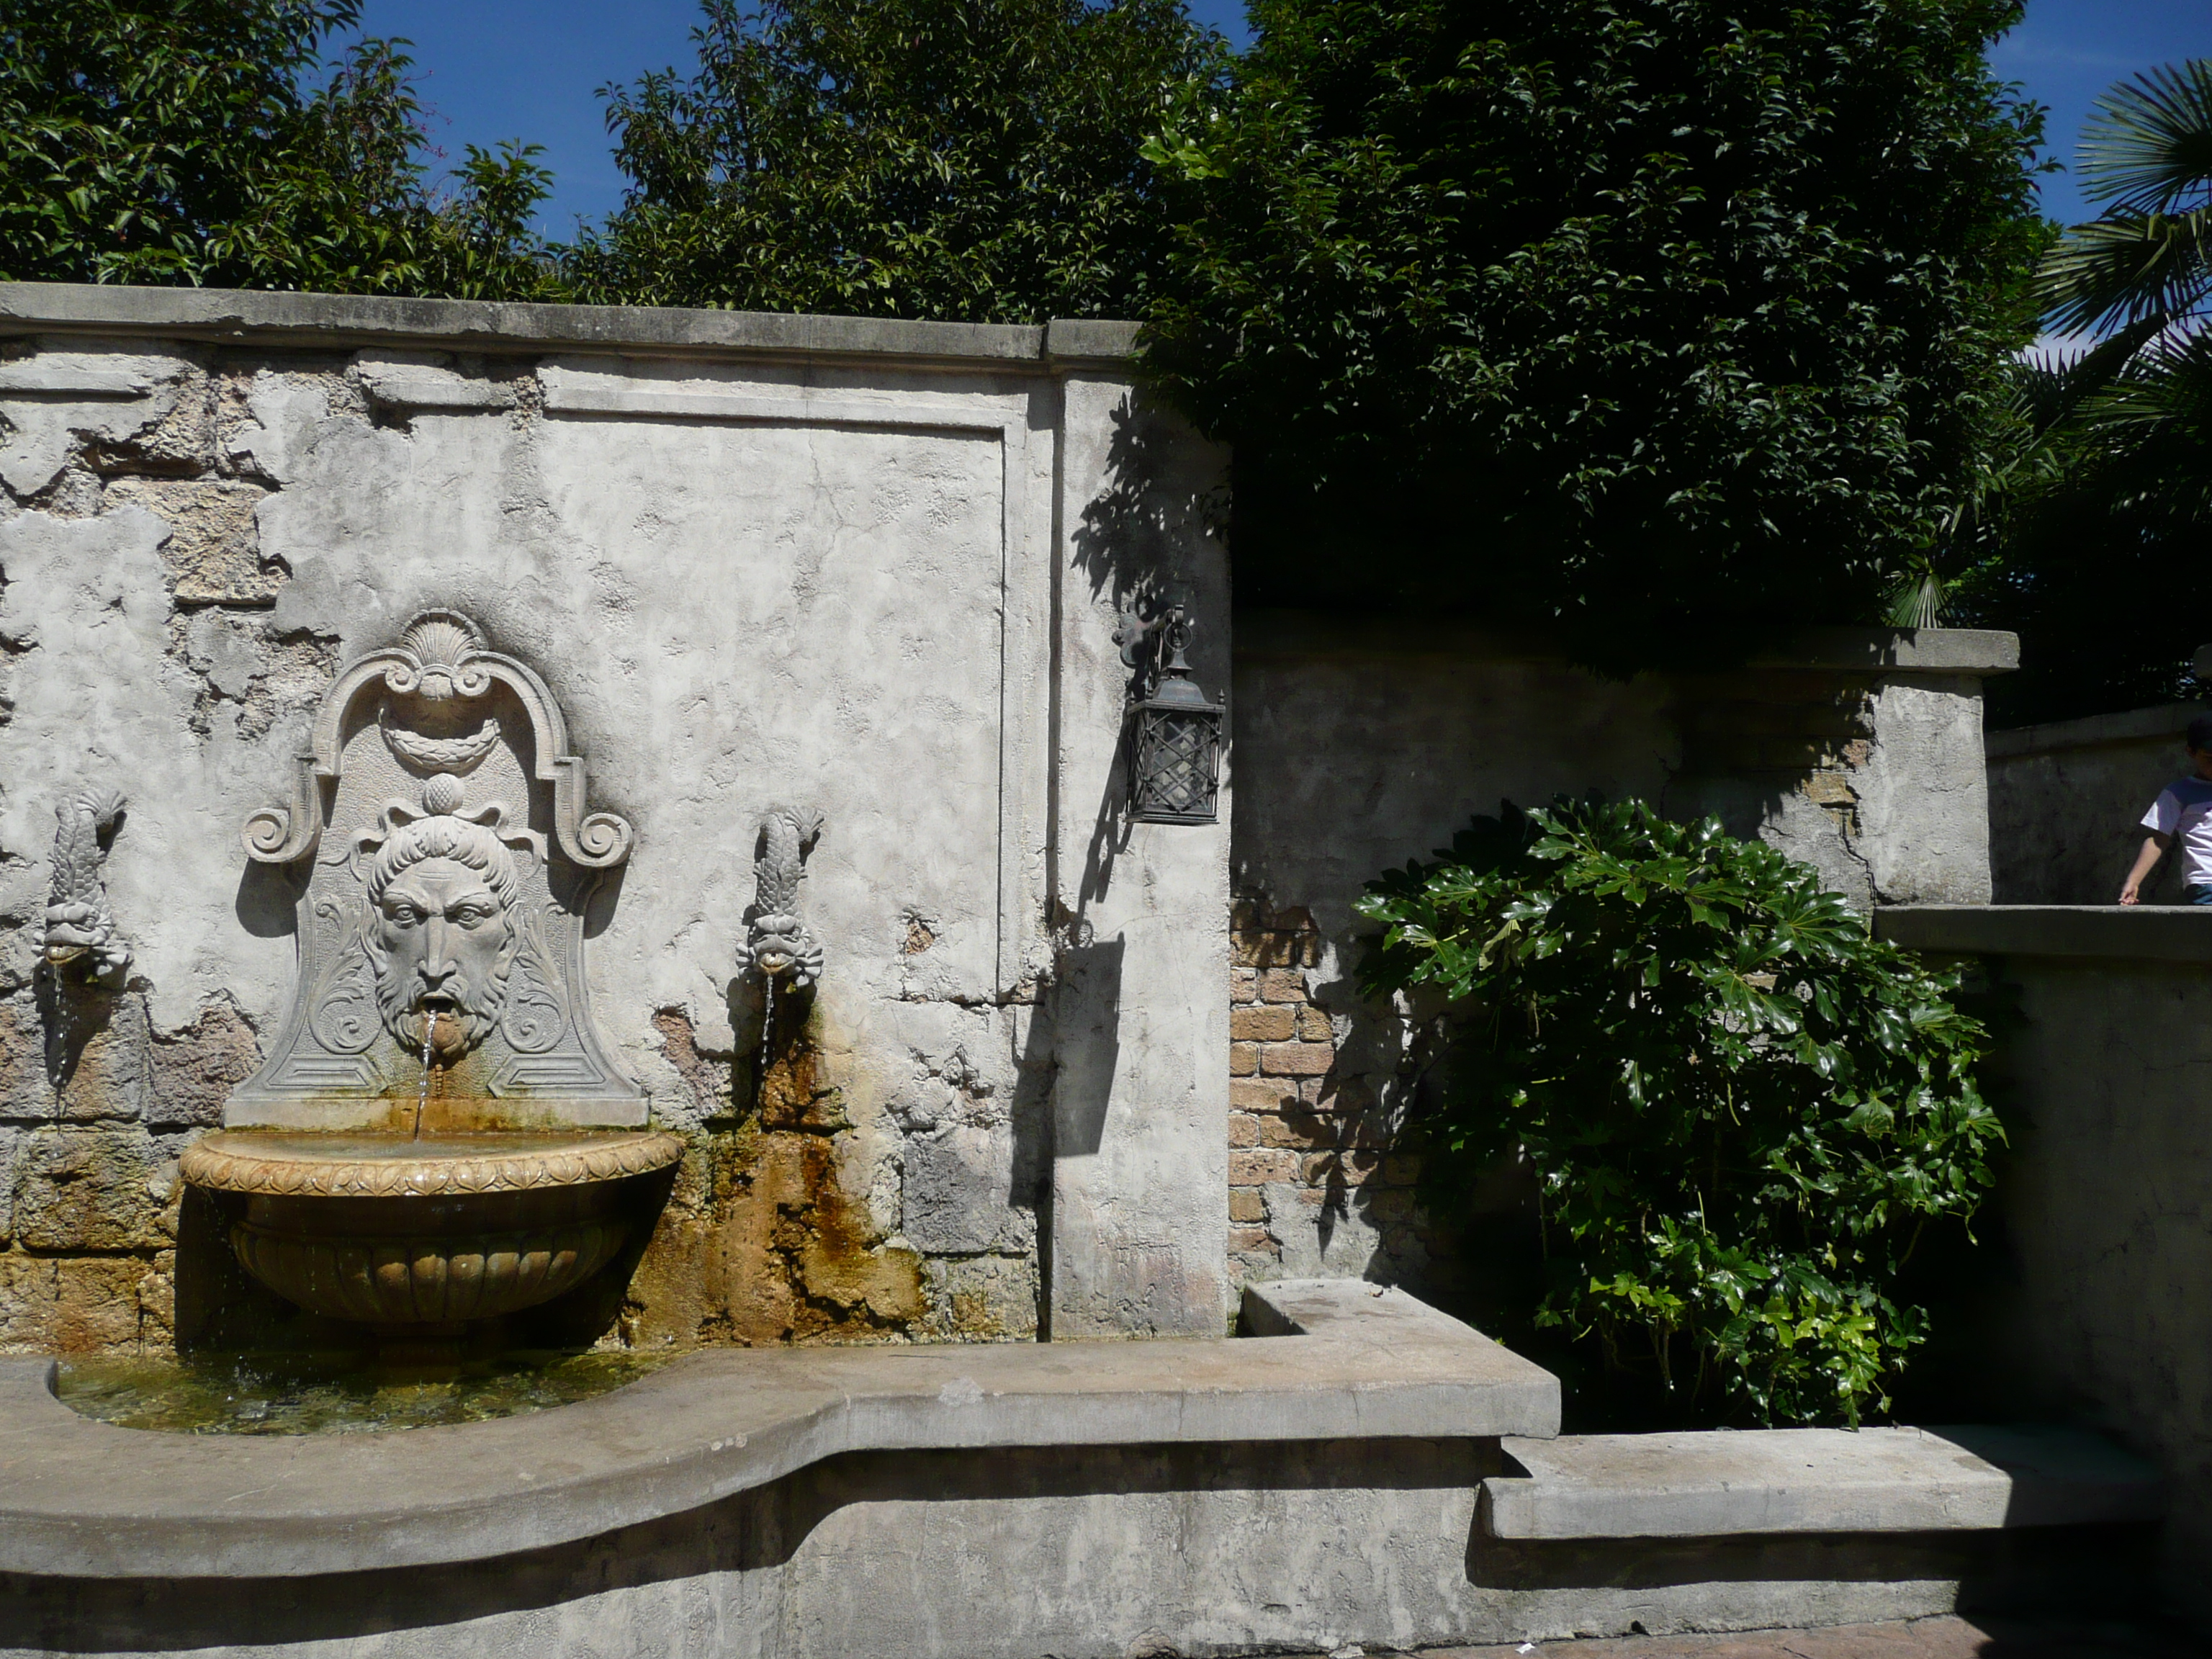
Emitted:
pixel 503 69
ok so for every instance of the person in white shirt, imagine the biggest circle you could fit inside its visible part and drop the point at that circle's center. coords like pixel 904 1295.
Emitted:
pixel 2183 809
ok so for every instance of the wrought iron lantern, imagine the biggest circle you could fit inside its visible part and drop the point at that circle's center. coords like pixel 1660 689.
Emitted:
pixel 1174 755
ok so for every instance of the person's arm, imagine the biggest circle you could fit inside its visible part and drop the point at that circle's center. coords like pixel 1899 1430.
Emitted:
pixel 2153 845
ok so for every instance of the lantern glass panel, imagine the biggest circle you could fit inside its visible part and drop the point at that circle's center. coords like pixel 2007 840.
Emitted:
pixel 1177 776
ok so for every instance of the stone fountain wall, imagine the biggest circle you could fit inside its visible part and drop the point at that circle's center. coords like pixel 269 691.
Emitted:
pixel 870 570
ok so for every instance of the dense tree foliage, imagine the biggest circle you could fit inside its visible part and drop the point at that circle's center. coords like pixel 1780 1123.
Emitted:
pixel 1649 317
pixel 187 140
pixel 1739 1110
pixel 2107 508
pixel 972 160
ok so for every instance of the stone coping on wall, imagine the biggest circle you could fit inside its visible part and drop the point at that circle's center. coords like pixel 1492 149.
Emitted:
pixel 1345 1360
pixel 1311 633
pixel 2152 932
pixel 237 316
pixel 2167 721
pixel 1730 1483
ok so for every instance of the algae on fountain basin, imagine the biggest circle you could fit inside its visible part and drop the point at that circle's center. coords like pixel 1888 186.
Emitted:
pixel 349 1394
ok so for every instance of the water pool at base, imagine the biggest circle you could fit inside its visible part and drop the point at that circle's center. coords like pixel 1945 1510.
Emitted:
pixel 349 1394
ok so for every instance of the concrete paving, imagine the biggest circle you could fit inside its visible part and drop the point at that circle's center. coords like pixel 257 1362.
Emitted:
pixel 1918 1638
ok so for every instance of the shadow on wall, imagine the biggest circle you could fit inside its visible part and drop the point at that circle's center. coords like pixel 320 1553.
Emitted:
pixel 1318 1096
pixel 2067 800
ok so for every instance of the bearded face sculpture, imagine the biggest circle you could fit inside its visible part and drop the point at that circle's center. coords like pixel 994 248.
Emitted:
pixel 442 933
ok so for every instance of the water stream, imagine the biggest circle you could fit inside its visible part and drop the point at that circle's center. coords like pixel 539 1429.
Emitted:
pixel 422 1099
pixel 767 1033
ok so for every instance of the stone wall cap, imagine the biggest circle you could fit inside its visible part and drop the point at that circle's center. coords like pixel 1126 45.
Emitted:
pixel 1081 343
pixel 1872 650
pixel 1306 633
pixel 2150 933
pixel 2094 731
pixel 1724 1483
pixel 234 315
pixel 84 1499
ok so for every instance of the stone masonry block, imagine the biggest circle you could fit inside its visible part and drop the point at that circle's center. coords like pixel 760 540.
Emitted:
pixel 213 551
pixel 1402 1168
pixel 1243 985
pixel 72 1305
pixel 106 1076
pixel 1249 1238
pixel 1244 1129
pixel 1253 1094
pixel 1246 1204
pixel 1282 984
pixel 89 1189
pixel 1264 1023
pixel 1327 1169
pixel 1243 1058
pixel 10 1138
pixel 1252 1167
pixel 1295 1059
pixel 196 1068
pixel 981 1298
pixel 1313 1025
pixel 1302 1130
pixel 1346 1096
pixel 25 1091
pixel 958 1193
pixel 1392 1204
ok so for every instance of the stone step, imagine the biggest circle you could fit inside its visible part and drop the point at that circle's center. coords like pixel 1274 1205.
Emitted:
pixel 1817 1481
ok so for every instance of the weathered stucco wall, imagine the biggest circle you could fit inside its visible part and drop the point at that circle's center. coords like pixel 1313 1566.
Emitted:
pixel 1361 745
pixel 2105 1082
pixel 2067 800
pixel 871 569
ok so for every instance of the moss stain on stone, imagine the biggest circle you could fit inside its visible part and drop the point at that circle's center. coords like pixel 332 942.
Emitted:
pixel 767 1238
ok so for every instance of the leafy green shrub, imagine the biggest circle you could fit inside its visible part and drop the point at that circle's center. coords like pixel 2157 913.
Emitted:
pixel 1741 1110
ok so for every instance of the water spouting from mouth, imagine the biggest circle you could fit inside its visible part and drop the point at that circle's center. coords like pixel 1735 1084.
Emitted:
pixel 768 1033
pixel 422 1099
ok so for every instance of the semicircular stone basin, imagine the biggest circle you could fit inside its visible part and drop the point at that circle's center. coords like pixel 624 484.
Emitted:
pixel 392 1231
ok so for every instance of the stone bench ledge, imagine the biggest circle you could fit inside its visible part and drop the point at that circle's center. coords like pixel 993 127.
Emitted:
pixel 1816 1481
pixel 79 1499
pixel 2150 933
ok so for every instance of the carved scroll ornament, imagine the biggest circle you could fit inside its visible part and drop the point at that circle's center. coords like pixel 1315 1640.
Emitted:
pixel 440 659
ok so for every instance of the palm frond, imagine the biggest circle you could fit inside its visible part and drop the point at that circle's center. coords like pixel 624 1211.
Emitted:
pixel 2146 150
pixel 2125 271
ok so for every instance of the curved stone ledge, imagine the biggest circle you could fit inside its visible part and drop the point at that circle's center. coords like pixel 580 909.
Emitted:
pixel 331 1166
pixel 2154 932
pixel 81 1499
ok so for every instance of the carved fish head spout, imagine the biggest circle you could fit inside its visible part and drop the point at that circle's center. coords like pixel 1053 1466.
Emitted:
pixel 79 927
pixel 778 946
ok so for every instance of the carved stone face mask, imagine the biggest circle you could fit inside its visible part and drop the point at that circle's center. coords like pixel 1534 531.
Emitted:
pixel 441 935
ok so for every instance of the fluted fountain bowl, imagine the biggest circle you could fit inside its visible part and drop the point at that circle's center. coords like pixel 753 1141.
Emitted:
pixel 392 1231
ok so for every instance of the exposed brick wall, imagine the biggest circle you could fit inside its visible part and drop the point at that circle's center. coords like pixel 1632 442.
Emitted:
pixel 1308 1143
